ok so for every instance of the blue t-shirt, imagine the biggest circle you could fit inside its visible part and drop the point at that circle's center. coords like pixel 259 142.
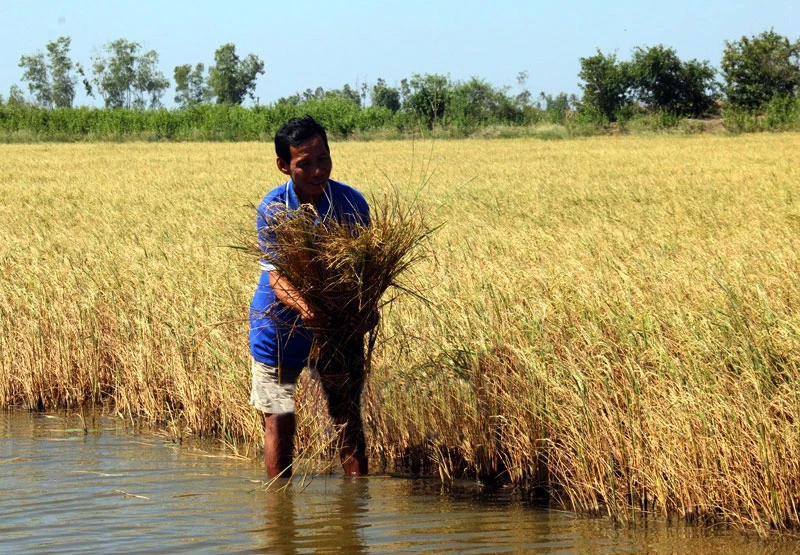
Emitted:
pixel 277 335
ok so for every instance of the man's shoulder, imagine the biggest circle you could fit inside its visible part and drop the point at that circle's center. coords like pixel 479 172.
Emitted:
pixel 273 200
pixel 341 189
pixel 278 194
pixel 349 199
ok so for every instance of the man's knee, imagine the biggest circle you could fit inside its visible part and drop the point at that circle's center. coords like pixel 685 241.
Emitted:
pixel 343 392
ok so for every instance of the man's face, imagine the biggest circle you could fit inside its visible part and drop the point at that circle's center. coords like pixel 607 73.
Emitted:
pixel 309 169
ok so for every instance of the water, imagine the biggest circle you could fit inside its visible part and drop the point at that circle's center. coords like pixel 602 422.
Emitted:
pixel 112 490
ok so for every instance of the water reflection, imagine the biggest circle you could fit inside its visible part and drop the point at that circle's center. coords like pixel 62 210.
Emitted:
pixel 301 523
pixel 106 489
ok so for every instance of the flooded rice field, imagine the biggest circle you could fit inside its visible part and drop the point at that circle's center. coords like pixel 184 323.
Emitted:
pixel 99 488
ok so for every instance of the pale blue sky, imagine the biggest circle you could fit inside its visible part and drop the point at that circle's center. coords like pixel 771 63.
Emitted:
pixel 330 43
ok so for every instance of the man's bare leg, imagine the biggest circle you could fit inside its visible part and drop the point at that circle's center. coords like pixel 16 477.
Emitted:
pixel 352 446
pixel 279 430
pixel 342 375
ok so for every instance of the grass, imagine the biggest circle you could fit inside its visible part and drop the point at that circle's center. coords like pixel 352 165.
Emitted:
pixel 611 320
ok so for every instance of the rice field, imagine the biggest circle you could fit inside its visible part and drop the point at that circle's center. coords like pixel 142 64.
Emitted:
pixel 612 320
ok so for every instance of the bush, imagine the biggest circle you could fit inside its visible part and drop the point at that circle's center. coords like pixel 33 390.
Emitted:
pixel 654 121
pixel 740 120
pixel 783 113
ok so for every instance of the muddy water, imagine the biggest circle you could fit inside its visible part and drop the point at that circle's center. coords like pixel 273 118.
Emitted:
pixel 107 489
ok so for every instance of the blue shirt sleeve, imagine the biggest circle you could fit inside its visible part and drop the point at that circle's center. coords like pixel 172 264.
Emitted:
pixel 265 219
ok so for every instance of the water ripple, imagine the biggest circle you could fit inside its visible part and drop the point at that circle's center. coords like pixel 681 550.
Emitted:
pixel 63 491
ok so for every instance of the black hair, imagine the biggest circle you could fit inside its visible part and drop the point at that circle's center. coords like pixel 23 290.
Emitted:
pixel 295 132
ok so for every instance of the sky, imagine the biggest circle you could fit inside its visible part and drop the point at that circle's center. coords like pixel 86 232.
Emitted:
pixel 329 43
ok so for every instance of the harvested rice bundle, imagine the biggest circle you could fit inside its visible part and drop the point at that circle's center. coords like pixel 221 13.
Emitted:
pixel 343 269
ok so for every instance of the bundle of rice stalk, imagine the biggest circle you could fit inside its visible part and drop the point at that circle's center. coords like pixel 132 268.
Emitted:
pixel 343 270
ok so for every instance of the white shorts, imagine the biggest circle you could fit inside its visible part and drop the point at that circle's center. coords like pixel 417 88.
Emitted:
pixel 272 389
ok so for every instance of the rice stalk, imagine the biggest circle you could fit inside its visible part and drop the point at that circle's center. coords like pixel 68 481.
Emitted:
pixel 615 320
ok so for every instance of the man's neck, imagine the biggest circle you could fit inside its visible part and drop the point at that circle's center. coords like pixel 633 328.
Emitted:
pixel 304 198
pixel 309 200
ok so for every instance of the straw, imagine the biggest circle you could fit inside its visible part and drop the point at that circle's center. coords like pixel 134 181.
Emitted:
pixel 344 270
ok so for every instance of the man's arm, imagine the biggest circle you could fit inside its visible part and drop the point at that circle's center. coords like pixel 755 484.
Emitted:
pixel 287 294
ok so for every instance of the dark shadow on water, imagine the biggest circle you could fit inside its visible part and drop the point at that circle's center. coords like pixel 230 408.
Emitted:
pixel 333 522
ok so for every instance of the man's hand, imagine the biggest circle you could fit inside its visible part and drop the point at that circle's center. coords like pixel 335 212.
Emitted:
pixel 314 320
pixel 288 294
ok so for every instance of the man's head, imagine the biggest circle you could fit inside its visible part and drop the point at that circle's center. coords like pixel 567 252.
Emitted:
pixel 303 154
pixel 295 132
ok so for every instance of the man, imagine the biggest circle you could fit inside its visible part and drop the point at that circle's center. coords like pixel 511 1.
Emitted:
pixel 281 320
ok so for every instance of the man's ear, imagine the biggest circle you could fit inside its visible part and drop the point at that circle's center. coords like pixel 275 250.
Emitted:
pixel 283 167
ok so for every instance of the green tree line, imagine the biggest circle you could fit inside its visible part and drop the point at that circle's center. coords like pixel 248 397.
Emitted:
pixel 756 88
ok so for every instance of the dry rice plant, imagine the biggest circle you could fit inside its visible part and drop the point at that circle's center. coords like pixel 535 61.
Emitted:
pixel 343 270
pixel 612 321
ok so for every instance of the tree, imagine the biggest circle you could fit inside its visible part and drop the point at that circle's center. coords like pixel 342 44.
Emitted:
pixel 606 84
pixel 428 96
pixel 384 96
pixel 476 103
pixel 114 75
pixel 701 89
pixel 15 97
pixel 405 92
pixel 347 93
pixel 557 107
pixel 127 79
pixel 293 100
pixel 231 79
pixel 49 76
pixel 523 98
pixel 190 85
pixel 149 83
pixel 316 94
pixel 661 81
pixel 63 82
pixel 759 68
pixel 35 74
